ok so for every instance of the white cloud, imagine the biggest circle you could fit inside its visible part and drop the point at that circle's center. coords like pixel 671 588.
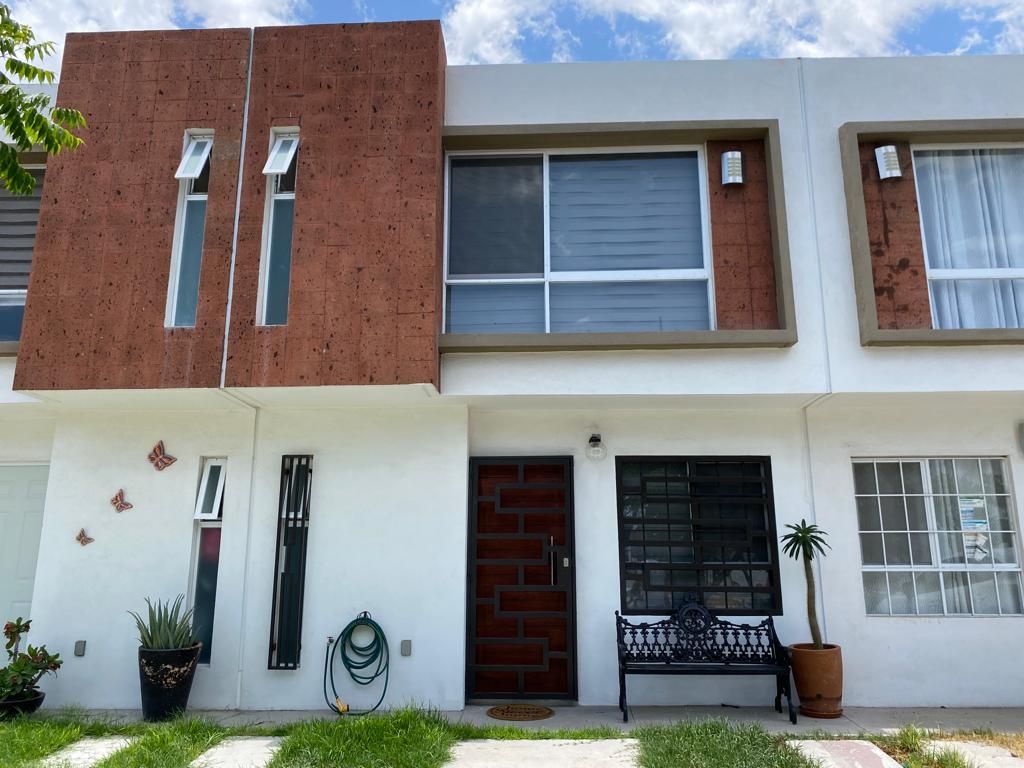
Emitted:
pixel 493 31
pixel 51 19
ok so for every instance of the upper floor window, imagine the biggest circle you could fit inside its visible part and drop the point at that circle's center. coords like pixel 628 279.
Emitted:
pixel 938 536
pixel 19 216
pixel 276 265
pixel 566 242
pixel 972 222
pixel 190 224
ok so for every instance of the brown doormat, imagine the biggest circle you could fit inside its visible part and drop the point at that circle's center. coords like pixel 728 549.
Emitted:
pixel 520 712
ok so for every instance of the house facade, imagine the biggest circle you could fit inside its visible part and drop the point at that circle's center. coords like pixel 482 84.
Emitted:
pixel 317 324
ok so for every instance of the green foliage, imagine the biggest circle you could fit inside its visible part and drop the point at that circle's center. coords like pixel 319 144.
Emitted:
pixel 167 625
pixel 805 540
pixel 403 739
pixel 24 741
pixel 28 119
pixel 714 744
pixel 169 745
pixel 24 668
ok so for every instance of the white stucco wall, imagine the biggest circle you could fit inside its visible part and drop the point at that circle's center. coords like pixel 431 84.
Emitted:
pixel 910 661
pixel 774 433
pixel 648 95
pixel 387 535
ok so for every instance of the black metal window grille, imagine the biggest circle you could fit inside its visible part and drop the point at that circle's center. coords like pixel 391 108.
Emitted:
pixel 697 525
pixel 290 562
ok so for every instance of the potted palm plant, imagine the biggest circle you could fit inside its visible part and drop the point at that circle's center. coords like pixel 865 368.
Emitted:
pixel 19 693
pixel 168 654
pixel 817 666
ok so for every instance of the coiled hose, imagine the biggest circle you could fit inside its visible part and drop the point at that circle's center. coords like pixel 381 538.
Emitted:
pixel 364 662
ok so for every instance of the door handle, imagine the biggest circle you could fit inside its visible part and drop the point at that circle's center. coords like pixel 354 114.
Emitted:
pixel 551 559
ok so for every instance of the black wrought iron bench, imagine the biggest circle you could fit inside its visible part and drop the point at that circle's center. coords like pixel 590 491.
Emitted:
pixel 693 642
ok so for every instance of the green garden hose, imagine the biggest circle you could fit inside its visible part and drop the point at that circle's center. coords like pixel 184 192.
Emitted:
pixel 364 662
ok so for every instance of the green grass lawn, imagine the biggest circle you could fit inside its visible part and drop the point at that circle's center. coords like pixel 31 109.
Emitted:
pixel 418 739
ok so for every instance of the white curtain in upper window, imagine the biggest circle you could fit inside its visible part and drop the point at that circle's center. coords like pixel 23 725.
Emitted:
pixel 972 214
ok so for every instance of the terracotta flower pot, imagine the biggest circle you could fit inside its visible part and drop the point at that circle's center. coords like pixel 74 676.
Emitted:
pixel 818 675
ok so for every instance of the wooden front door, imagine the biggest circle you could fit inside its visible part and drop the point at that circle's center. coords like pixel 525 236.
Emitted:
pixel 521 620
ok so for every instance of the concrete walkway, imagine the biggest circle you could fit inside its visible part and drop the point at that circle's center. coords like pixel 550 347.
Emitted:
pixel 554 753
pixel 978 755
pixel 85 753
pixel 845 753
pixel 239 752
pixel 855 719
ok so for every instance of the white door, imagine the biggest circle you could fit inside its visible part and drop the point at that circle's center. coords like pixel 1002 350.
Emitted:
pixel 22 492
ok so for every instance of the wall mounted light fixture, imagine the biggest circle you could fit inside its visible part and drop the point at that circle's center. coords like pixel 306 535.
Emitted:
pixel 888 160
pixel 595 448
pixel 732 167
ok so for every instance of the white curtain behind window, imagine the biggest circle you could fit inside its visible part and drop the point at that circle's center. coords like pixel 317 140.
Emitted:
pixel 972 213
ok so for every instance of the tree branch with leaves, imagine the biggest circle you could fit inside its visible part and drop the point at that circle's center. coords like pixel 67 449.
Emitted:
pixel 29 120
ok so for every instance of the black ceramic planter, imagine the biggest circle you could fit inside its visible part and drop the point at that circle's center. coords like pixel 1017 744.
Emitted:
pixel 166 680
pixel 13 707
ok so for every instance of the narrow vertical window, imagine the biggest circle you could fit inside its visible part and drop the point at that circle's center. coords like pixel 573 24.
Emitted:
pixel 187 251
pixel 208 515
pixel 277 239
pixel 290 562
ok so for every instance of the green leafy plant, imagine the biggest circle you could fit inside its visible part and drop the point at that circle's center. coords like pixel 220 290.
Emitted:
pixel 18 680
pixel 806 541
pixel 28 119
pixel 167 626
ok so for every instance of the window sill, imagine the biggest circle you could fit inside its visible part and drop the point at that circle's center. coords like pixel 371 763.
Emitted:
pixel 562 342
pixel 940 337
pixel 8 348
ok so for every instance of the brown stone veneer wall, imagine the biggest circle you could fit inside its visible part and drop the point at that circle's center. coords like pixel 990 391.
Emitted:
pixel 97 297
pixel 364 302
pixel 741 240
pixel 894 233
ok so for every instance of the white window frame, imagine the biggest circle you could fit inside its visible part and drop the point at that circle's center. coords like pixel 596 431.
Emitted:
pixel 937 566
pixel 203 485
pixel 276 136
pixel 935 275
pixel 589 276
pixel 185 195
pixel 16 297
pixel 201 522
pixel 192 138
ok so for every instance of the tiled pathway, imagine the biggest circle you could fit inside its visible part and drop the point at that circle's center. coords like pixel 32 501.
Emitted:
pixel 257 751
pixel 979 755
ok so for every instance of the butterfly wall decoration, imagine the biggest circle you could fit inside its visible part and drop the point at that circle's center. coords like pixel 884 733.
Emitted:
pixel 118 502
pixel 159 458
pixel 83 538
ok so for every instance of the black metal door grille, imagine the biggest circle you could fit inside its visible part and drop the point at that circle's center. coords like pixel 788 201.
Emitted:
pixel 290 562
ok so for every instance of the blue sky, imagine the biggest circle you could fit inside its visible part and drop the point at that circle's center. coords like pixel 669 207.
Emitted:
pixel 496 31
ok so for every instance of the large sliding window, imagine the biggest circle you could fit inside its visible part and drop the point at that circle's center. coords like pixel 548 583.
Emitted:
pixel 190 224
pixel 567 242
pixel 972 222
pixel 19 217
pixel 937 536
pixel 697 526
pixel 276 264
pixel 290 562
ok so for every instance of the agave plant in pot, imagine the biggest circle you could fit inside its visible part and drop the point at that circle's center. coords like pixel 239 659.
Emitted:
pixel 19 692
pixel 817 666
pixel 168 654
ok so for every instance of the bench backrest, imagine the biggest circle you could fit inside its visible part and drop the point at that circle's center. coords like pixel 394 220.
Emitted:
pixel 692 634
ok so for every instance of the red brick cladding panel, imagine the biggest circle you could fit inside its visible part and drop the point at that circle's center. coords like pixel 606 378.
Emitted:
pixel 741 240
pixel 97 297
pixel 894 235
pixel 364 301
